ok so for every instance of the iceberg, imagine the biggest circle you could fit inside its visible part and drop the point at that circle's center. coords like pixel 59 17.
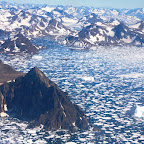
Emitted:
pixel 139 111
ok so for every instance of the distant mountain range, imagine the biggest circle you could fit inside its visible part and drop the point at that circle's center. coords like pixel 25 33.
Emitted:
pixel 108 34
pixel 100 26
pixel 35 98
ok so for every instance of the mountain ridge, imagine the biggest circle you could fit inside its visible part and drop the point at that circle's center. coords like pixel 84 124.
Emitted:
pixel 106 34
pixel 16 16
pixel 60 22
pixel 35 98
pixel 18 44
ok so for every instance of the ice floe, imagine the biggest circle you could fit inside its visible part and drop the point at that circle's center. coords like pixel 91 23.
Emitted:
pixel 139 111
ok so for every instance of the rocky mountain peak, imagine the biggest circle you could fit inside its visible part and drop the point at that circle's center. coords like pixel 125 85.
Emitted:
pixel 93 18
pixel 119 29
pixel 36 98
pixel 106 34
pixel 37 76
pixel 35 71
pixel 18 44
pixel 53 22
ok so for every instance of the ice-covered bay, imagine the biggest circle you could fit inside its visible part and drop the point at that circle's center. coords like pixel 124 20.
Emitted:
pixel 108 83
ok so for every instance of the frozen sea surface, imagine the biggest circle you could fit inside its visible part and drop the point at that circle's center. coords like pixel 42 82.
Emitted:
pixel 108 83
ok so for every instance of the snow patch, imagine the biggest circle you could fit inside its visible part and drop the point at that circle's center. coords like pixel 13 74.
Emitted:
pixel 114 12
pixel 63 109
pixel 110 32
pixel 35 33
pixel 128 39
pixel 93 38
pixel 136 26
pixel 56 13
pixel 64 113
pixel 115 22
pixel 3 114
pixel 73 123
pixel 68 20
pixel 48 9
pixel 5 107
pixel 1 41
pixel 7 49
pixel 16 49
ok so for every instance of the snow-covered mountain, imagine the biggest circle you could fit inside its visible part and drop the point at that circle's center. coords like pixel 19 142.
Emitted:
pixel 67 15
pixel 77 17
pixel 107 34
pixel 97 24
pixel 30 22
pixel 34 25
pixel 18 44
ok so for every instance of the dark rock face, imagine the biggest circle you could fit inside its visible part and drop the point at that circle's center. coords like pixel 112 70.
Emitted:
pixel 18 44
pixel 1 102
pixel 123 31
pixel 7 73
pixel 141 26
pixel 119 29
pixel 39 100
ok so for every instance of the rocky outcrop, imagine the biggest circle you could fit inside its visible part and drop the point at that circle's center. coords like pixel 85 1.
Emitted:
pixel 35 98
pixel 18 44
pixel 7 73
pixel 1 102
pixel 3 106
